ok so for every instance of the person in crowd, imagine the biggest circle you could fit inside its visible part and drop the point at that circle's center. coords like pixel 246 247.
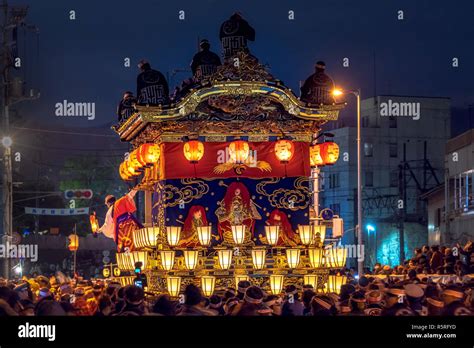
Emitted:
pixel 318 88
pixel 152 87
pixel 164 306
pixel 126 107
pixel 205 62
pixel 292 306
pixel 436 261
pixel 192 302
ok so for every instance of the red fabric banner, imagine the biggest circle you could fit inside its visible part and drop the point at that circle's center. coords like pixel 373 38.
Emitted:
pixel 261 163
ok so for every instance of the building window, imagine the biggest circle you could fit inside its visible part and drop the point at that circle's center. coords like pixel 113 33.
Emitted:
pixel 392 122
pixel 393 149
pixel 368 149
pixel 336 208
pixel 394 178
pixel 365 121
pixel 369 179
pixel 333 180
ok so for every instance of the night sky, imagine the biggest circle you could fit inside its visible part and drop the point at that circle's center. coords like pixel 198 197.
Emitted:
pixel 82 60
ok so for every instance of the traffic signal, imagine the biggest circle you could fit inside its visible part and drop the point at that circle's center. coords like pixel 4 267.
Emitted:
pixel 78 194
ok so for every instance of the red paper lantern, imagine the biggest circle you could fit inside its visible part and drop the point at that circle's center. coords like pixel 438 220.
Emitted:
pixel 322 154
pixel 148 154
pixel 193 150
pixel 284 150
pixel 239 151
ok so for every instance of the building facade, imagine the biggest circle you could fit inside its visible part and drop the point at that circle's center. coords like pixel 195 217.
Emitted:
pixel 451 205
pixel 403 144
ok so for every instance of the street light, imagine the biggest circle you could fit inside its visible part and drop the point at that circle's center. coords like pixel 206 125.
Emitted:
pixel 336 93
pixel 7 142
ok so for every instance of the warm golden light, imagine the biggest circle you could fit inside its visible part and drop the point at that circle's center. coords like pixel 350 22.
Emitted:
pixel 329 152
pixel 337 92
pixel 337 227
pixel 284 150
pixel 311 279
pixel 315 158
pixel 117 272
pixel 272 233
pixel 193 150
pixel 239 278
pixel 306 234
pixel 238 233
pixel 204 235
pixel 167 259
pixel 73 244
pixel 139 256
pixel 207 284
pixel 148 153
pixel 335 282
pixel 173 234
pixel 145 237
pixel 315 257
pixel 320 233
pixel 191 259
pixel 225 258
pixel 293 257
pixel 174 285
pixel 125 261
pixel 258 258
pixel 336 257
pixel 239 151
pixel 94 223
pixel 276 283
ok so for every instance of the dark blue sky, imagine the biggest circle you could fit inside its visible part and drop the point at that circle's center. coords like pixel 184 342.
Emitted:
pixel 82 60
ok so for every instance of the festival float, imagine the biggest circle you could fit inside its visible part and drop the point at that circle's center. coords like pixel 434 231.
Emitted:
pixel 230 175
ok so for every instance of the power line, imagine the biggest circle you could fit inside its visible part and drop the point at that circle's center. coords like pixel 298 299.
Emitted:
pixel 65 132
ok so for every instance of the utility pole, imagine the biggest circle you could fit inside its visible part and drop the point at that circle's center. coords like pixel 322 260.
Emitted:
pixel 13 18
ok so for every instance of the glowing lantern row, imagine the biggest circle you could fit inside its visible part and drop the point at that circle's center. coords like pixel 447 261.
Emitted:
pixel 258 258
pixel 276 283
pixel 238 233
pixel 126 261
pixel 142 157
pixel 167 259
pixel 306 234
pixel 174 285
pixel 315 257
pixel 284 150
pixel 335 282
pixel 173 235
pixel 239 151
pixel 293 257
pixel 311 279
pixel 204 235
pixel 191 259
pixel 193 150
pixel 272 232
pixel 322 154
pixel 207 284
pixel 336 257
pixel 145 237
pixel 225 258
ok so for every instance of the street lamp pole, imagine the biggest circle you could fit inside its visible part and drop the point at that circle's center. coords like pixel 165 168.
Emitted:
pixel 360 264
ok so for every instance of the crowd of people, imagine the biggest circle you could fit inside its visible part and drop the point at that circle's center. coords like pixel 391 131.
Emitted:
pixel 434 260
pixel 366 296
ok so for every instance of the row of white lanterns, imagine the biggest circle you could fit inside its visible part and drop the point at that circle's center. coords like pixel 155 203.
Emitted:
pixel 335 258
pixel 173 283
pixel 307 234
